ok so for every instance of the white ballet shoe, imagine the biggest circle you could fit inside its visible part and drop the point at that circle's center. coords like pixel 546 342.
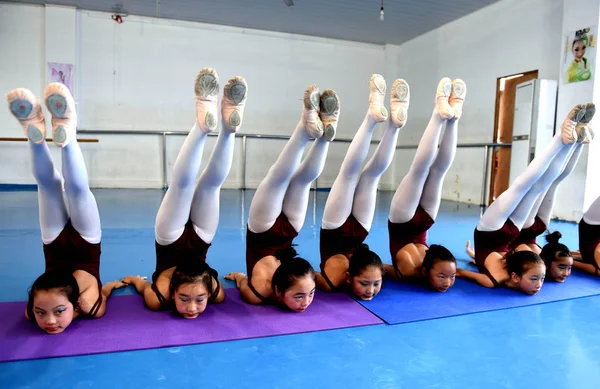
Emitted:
pixel 234 100
pixel 206 88
pixel 442 95
pixel 61 105
pixel 310 112
pixel 377 87
pixel 399 101
pixel 329 113
pixel 584 126
pixel 567 129
pixel 457 97
pixel 26 108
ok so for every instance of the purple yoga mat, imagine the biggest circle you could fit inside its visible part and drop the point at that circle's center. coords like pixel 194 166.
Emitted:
pixel 128 325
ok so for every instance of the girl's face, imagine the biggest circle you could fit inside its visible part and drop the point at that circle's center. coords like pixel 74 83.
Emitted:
pixel 300 295
pixel 52 310
pixel 578 50
pixel 532 280
pixel 560 269
pixel 442 275
pixel 190 299
pixel 367 284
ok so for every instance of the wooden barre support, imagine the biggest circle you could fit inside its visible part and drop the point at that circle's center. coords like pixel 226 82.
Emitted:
pixel 47 140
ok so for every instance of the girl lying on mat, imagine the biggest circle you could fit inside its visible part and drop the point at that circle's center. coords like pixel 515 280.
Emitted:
pixel 416 202
pixel 502 222
pixel 188 216
pixel 70 286
pixel 557 257
pixel 587 259
pixel 278 210
pixel 350 206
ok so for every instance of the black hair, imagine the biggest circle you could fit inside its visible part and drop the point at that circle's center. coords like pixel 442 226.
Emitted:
pixel 291 269
pixel 519 262
pixel 437 252
pixel 362 258
pixel 192 272
pixel 63 281
pixel 553 249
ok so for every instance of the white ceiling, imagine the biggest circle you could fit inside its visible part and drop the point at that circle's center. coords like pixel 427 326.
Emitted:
pixel 355 20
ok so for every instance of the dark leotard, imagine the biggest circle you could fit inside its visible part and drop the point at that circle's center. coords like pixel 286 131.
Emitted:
pixel 70 252
pixel 528 235
pixel 412 231
pixel 589 238
pixel 268 243
pixel 343 240
pixel 487 242
pixel 188 247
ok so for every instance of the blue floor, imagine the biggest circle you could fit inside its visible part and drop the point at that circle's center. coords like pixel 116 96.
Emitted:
pixel 553 345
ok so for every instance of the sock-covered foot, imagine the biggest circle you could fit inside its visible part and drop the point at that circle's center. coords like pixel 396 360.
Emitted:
pixel 310 112
pixel 399 101
pixel 377 87
pixel 584 126
pixel 206 88
pixel 457 97
pixel 567 129
pixel 234 100
pixel 329 113
pixel 26 108
pixel 442 95
pixel 61 105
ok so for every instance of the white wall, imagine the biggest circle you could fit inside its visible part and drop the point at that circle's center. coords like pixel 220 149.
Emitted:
pixel 508 37
pixel 139 76
pixel 579 189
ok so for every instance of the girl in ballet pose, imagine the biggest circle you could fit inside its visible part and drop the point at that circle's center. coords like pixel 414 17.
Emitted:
pixel 416 202
pixel 188 216
pixel 70 286
pixel 501 223
pixel 278 210
pixel 350 206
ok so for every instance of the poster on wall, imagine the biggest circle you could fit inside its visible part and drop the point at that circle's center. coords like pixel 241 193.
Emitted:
pixel 580 55
pixel 61 72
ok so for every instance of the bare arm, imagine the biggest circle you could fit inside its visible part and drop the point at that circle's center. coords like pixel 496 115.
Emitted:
pixel 108 288
pixel 586 267
pixel 576 255
pixel 138 282
pixel 241 282
pixel 221 296
pixel 390 272
pixel 470 251
pixel 479 278
pixel 321 283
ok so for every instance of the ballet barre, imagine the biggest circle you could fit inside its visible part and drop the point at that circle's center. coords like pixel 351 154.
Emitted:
pixel 244 137
pixel 47 140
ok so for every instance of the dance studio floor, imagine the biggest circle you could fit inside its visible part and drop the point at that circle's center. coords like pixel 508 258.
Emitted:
pixel 553 345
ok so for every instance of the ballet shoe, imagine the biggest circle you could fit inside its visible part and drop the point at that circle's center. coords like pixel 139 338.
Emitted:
pixel 206 89
pixel 26 108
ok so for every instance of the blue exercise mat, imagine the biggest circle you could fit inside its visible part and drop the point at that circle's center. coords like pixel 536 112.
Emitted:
pixel 404 303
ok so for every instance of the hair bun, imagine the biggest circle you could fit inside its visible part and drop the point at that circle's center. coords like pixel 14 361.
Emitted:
pixel 287 253
pixel 553 237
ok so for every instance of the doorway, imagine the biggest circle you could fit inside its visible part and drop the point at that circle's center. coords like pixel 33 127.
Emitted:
pixel 503 126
